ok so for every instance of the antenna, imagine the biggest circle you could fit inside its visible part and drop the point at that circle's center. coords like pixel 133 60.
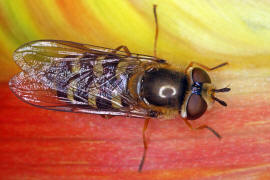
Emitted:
pixel 223 103
pixel 222 90
pixel 226 89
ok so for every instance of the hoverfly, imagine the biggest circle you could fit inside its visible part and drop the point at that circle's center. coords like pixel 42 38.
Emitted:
pixel 74 77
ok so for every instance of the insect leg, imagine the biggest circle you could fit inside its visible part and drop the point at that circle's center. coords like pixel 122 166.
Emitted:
pixel 146 122
pixel 156 32
pixel 126 50
pixel 202 127
pixel 205 67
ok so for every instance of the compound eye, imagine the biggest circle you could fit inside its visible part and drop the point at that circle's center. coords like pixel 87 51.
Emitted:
pixel 196 106
pixel 199 75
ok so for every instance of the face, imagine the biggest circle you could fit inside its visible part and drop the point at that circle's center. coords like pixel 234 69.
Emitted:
pixel 196 104
pixel 200 95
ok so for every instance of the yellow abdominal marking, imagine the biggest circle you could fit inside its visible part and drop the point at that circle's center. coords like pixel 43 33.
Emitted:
pixel 116 98
pixel 92 95
pixel 76 66
pixel 94 89
pixel 71 89
pixel 98 68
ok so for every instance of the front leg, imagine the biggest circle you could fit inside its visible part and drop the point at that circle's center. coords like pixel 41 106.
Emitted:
pixel 202 127
pixel 145 145
pixel 126 50
pixel 204 67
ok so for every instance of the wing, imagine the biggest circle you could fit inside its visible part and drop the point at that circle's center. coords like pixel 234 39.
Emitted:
pixel 68 76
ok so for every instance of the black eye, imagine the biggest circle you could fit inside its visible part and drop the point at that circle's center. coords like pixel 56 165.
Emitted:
pixel 196 106
pixel 199 75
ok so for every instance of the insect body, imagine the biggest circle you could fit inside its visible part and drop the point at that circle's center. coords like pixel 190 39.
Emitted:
pixel 74 77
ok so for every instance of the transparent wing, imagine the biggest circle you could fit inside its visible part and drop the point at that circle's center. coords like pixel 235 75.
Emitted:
pixel 74 77
pixel 42 54
pixel 33 91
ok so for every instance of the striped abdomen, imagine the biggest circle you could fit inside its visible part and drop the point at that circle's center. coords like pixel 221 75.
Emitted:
pixel 98 82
